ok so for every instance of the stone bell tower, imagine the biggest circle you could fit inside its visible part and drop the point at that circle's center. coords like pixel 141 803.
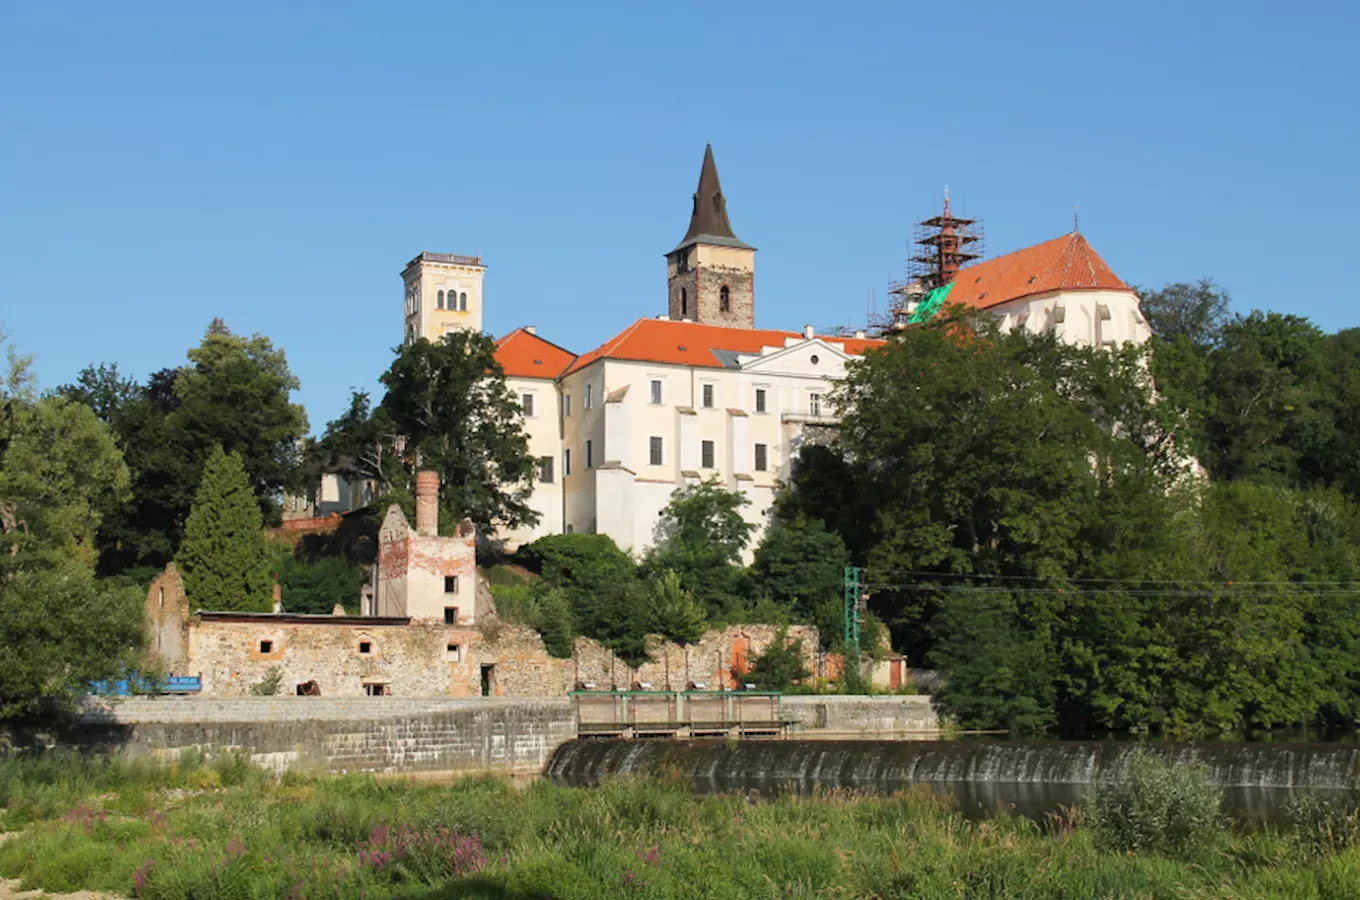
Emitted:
pixel 711 275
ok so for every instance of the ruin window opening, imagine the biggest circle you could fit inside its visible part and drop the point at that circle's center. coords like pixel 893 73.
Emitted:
pixel 266 646
pixel 377 689
pixel 365 648
pixel 725 299
pixel 450 584
pixel 453 653
pixel 488 680
pixel 450 615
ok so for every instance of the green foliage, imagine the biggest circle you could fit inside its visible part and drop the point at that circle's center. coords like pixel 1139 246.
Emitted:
pixel 800 567
pixel 672 611
pixel 780 666
pixel 269 685
pixel 314 584
pixel 1196 312
pixel 1157 807
pixel 1323 825
pixel 233 831
pixel 557 624
pixel 600 585
pixel 449 401
pixel 223 558
pixel 62 630
pixel 700 537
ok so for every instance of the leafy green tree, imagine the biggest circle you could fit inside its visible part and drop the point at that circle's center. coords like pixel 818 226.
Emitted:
pixel 700 537
pixel 223 559
pixel 600 584
pixel 780 666
pixel 800 567
pixel 449 402
pixel 102 388
pixel 672 611
pixel 1197 312
pixel 63 630
pixel 557 624
pixel 315 584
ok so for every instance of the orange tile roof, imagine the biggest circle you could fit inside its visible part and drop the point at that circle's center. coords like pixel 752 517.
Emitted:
pixel 692 344
pixel 1063 264
pixel 525 355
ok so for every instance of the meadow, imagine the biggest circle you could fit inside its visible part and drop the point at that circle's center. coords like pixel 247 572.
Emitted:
pixel 225 829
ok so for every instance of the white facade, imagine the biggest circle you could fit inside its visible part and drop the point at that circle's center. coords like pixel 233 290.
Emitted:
pixel 1085 318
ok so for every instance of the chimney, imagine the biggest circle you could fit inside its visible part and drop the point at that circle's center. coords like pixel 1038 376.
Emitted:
pixel 531 329
pixel 807 332
pixel 278 595
pixel 427 502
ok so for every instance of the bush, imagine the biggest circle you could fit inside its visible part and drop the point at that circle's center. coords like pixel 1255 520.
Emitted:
pixel 269 685
pixel 780 666
pixel 1156 807
pixel 1321 825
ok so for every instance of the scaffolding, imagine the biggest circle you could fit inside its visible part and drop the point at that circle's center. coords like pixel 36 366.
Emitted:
pixel 943 244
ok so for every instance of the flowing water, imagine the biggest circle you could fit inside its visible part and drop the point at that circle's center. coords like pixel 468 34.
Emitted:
pixel 1032 778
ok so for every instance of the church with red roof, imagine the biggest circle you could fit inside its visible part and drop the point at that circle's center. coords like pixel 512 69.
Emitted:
pixel 699 393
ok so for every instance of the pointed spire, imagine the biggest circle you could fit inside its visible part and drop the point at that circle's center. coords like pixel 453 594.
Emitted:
pixel 708 222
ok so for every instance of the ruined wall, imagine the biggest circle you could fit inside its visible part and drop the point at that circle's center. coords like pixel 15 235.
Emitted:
pixel 167 621
pixel 426 659
pixel 414 571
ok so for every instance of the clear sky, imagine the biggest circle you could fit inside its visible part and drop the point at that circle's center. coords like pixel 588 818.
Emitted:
pixel 277 164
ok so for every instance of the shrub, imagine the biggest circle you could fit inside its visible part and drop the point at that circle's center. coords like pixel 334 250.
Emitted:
pixel 269 685
pixel 1156 807
pixel 1322 825
pixel 780 665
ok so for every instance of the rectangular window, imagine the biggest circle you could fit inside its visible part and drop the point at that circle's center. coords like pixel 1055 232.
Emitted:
pixel 570 529
pixel 590 396
pixel 545 469
pixel 815 404
pixel 374 689
pixel 655 450
pixel 708 396
pixel 566 404
pixel 590 454
pixel 450 584
pixel 566 462
pixel 656 390
pixel 266 646
pixel 453 653
pixel 526 401
pixel 365 648
pixel 762 457
pixel 760 399
pixel 706 454
pixel 450 615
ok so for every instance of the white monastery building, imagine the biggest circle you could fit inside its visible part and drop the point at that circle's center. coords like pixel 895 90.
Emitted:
pixel 699 392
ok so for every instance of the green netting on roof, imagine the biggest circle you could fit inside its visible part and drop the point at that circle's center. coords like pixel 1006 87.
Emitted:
pixel 930 305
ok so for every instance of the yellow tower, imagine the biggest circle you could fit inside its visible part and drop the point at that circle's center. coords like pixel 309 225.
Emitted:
pixel 443 294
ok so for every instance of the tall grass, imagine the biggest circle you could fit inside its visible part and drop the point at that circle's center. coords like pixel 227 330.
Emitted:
pixel 202 828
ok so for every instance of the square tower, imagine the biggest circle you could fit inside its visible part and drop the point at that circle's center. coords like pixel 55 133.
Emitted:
pixel 711 275
pixel 443 294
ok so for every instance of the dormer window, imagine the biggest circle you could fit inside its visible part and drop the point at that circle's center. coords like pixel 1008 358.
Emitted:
pixel 725 299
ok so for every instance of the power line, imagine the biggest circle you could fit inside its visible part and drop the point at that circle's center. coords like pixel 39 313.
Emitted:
pixel 1124 580
pixel 872 587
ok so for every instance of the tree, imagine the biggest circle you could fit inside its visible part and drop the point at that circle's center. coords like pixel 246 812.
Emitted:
pixel 63 630
pixel 672 611
pixel 223 558
pixel 449 401
pixel 315 584
pixel 1196 311
pixel 600 584
pixel 800 567
pixel 103 389
pixel 700 537
pixel 780 666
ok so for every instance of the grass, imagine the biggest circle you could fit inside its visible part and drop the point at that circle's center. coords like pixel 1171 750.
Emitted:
pixel 223 829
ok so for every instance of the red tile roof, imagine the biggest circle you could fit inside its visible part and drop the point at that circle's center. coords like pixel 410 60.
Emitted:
pixel 525 355
pixel 1063 264
pixel 692 344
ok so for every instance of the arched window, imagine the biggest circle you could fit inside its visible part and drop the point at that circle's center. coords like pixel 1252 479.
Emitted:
pixel 684 303
pixel 462 302
pixel 439 302
pixel 725 299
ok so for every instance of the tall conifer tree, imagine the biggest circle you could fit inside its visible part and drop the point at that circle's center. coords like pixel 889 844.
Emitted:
pixel 223 557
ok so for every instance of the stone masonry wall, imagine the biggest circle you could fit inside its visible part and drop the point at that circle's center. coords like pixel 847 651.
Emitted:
pixel 361 734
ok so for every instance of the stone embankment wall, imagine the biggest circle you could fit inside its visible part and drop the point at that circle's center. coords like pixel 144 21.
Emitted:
pixel 861 717
pixel 353 734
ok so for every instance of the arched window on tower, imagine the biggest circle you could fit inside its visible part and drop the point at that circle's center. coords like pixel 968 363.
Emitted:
pixel 462 302
pixel 439 301
pixel 684 303
pixel 725 299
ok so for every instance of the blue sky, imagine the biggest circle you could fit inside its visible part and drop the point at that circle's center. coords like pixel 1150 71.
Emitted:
pixel 276 164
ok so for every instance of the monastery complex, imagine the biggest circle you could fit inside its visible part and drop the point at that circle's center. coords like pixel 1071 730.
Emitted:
pixel 698 392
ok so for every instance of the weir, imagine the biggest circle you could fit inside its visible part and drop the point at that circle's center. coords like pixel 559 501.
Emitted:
pixel 805 765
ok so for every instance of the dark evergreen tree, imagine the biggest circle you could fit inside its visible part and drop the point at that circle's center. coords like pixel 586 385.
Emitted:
pixel 223 559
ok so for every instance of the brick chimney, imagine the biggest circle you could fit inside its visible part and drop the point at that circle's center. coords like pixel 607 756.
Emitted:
pixel 427 502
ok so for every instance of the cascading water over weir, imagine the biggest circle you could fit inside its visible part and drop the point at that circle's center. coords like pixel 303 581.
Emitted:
pixel 975 770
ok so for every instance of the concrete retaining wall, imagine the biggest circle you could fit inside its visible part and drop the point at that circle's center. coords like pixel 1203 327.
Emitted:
pixel 369 734
pixel 851 717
